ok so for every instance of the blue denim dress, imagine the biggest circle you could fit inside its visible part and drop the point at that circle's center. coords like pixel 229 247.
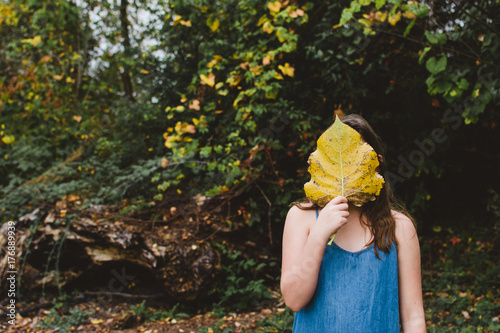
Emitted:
pixel 356 292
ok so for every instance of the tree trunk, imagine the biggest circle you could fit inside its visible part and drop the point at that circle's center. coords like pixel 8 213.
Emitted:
pixel 126 79
pixel 118 257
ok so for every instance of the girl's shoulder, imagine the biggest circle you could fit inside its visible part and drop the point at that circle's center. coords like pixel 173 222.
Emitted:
pixel 405 227
pixel 303 214
pixel 301 210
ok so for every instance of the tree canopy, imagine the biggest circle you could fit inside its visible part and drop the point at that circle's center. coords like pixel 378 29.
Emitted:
pixel 140 103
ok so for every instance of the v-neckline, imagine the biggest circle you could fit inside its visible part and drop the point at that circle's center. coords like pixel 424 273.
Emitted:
pixel 350 252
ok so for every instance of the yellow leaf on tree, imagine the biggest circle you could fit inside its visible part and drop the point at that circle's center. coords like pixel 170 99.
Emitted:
pixel 409 15
pixel 393 19
pixel 208 79
pixel 164 162
pixel 36 40
pixel 213 23
pixel 343 165
pixel 380 16
pixel 287 69
pixel 214 61
pixel 267 27
pixel 274 6
pixel 8 139
pixel 296 13
pixel 45 59
pixel 195 105
pixel 170 140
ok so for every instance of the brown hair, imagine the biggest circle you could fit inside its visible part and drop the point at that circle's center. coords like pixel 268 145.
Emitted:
pixel 378 213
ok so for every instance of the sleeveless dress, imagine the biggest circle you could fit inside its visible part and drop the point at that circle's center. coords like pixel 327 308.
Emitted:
pixel 356 292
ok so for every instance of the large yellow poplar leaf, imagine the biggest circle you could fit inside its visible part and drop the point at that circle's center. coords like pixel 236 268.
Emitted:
pixel 343 164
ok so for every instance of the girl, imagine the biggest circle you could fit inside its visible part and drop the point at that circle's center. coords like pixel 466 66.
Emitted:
pixel 369 278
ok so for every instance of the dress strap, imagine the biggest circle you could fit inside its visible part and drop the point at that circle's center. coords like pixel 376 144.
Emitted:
pixel 317 213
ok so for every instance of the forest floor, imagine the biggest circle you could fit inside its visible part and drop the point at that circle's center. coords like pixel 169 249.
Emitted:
pixel 118 317
pixel 103 315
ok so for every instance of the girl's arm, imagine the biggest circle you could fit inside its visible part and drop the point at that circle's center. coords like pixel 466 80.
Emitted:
pixel 410 283
pixel 303 249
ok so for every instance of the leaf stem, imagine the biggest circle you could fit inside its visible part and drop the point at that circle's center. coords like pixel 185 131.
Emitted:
pixel 332 238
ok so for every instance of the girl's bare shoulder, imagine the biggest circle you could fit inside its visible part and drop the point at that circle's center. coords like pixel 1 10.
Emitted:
pixel 405 228
pixel 304 215
pixel 301 209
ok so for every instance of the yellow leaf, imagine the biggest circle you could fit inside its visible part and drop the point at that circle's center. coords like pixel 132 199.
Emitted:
pixel 143 71
pixel 164 162
pixel 209 80
pixel 234 80
pixel 45 59
pixel 170 140
pixel 287 69
pixel 77 118
pixel 296 13
pixel 8 139
pixel 96 321
pixel 267 27
pixel 213 23
pixel 177 19
pixel 214 61
pixel 266 60
pixel 409 15
pixel 343 165
pixel 58 77
pixel 274 6
pixel 393 19
pixel 195 105
pixel 37 40
pixel 380 16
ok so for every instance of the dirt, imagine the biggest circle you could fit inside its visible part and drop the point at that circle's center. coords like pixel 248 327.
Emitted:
pixel 116 316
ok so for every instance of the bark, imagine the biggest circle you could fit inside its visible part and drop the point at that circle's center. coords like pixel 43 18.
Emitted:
pixel 126 79
pixel 120 258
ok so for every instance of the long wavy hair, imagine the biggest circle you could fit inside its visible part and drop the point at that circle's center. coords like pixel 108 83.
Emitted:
pixel 376 215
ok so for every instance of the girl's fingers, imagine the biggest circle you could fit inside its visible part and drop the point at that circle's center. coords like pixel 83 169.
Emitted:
pixel 337 200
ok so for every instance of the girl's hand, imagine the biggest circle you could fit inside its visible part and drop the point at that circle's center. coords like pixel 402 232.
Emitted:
pixel 332 217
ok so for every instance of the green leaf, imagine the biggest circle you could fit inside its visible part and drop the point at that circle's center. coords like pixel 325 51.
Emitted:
pixel 408 28
pixel 421 12
pixel 437 38
pixel 346 16
pixel 379 3
pixel 422 55
pixel 436 66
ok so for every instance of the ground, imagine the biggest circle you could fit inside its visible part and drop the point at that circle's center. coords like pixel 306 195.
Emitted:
pixel 116 316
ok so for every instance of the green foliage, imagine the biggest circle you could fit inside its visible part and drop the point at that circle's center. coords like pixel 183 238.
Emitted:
pixel 64 323
pixel 281 322
pixel 460 288
pixel 218 327
pixel 149 314
pixel 239 287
